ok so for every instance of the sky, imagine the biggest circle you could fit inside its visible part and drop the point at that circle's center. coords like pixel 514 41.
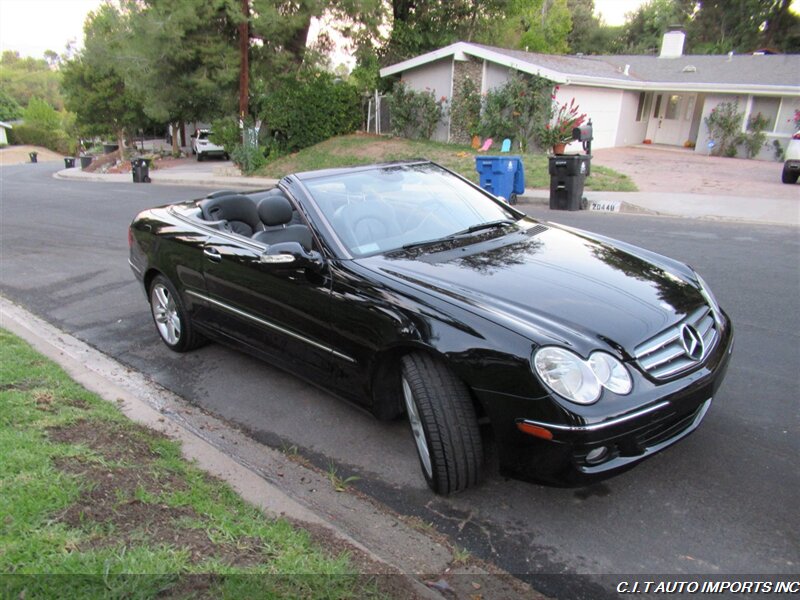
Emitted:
pixel 33 26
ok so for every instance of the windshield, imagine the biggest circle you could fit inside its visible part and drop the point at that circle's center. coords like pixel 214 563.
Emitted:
pixel 387 208
pixel 203 135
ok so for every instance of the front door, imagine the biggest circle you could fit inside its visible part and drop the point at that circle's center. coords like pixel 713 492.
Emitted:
pixel 668 120
pixel 277 309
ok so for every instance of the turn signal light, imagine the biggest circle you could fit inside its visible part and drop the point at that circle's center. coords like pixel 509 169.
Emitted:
pixel 535 430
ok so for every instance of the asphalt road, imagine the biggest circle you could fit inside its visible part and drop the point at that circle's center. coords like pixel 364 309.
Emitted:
pixel 723 501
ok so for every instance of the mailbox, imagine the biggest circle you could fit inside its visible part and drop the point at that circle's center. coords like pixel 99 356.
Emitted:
pixel 582 133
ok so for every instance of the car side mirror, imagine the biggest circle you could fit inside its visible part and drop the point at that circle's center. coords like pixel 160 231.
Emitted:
pixel 292 254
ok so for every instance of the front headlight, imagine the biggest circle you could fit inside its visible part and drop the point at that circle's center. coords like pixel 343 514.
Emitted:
pixel 577 380
pixel 709 297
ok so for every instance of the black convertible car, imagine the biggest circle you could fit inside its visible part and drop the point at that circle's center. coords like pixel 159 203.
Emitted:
pixel 407 289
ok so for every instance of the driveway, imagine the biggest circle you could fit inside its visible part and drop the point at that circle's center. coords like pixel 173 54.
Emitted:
pixel 685 171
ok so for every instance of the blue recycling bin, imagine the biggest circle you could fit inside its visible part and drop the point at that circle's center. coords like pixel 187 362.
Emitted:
pixel 503 176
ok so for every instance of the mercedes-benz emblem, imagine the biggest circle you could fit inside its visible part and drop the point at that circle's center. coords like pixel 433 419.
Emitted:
pixel 692 343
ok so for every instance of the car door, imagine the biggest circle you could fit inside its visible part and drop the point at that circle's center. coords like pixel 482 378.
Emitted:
pixel 280 310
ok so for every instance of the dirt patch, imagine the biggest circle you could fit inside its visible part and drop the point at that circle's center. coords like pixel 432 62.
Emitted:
pixel 23 385
pixel 112 495
pixel 109 440
pixel 16 155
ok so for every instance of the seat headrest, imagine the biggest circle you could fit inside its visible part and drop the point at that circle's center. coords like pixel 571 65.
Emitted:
pixel 275 209
pixel 230 208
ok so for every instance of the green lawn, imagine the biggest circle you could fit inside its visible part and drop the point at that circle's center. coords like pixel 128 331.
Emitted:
pixel 94 506
pixel 361 149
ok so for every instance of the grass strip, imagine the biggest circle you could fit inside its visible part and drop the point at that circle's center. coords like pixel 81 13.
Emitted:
pixel 95 506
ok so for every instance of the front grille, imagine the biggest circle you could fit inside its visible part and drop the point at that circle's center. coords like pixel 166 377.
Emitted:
pixel 664 356
pixel 664 430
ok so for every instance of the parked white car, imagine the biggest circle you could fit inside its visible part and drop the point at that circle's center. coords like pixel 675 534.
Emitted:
pixel 791 167
pixel 202 146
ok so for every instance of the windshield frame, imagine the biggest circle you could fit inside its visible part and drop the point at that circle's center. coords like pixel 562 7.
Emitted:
pixel 339 247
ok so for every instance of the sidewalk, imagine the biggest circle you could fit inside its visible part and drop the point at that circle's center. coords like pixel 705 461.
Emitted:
pixel 716 206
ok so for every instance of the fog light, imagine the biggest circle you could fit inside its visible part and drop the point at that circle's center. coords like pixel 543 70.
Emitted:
pixel 597 455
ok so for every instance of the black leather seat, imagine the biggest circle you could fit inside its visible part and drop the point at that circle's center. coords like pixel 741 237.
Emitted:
pixel 277 216
pixel 238 212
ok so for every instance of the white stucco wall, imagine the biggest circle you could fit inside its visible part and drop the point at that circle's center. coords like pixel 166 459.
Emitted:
pixel 494 76
pixel 437 78
pixel 629 130
pixel 602 106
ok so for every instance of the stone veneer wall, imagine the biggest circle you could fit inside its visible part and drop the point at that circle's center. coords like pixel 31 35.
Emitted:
pixel 472 69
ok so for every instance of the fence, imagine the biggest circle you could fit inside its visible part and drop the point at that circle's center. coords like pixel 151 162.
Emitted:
pixel 377 118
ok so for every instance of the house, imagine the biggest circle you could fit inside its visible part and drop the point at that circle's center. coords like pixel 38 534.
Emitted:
pixel 630 99
pixel 3 137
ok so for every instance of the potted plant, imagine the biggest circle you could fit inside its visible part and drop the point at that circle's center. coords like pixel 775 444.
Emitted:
pixel 557 133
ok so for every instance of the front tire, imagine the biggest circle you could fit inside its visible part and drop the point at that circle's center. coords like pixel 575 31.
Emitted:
pixel 199 157
pixel 788 176
pixel 169 315
pixel 443 422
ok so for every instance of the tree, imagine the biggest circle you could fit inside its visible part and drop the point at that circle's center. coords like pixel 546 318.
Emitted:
pixel 418 26
pixel 94 81
pixel 744 26
pixel 9 109
pixel 40 114
pixel 589 35
pixel 645 28
pixel 544 25
pixel 183 59
pixel 26 78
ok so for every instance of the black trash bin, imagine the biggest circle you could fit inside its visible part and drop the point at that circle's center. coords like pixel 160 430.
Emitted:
pixel 567 175
pixel 33 156
pixel 140 169
pixel 69 162
pixel 86 161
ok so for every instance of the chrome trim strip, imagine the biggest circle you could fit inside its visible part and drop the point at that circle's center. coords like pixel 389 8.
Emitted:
pixel 598 426
pixel 134 267
pixel 265 323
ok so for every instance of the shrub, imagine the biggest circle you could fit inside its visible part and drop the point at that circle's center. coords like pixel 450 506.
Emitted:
pixel 519 110
pixel 307 109
pixel 414 114
pixel 226 132
pixel 755 138
pixel 724 125
pixel 248 158
pixel 55 140
pixel 778 151
pixel 40 114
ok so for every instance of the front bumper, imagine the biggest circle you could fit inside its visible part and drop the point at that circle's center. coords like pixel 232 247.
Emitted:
pixel 577 452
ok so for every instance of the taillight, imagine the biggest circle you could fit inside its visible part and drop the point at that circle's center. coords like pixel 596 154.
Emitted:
pixel 796 136
pixel 130 237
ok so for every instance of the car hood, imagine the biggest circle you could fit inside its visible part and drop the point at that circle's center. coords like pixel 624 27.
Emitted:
pixel 553 285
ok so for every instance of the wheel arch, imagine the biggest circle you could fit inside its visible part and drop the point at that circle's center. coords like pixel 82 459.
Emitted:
pixel 384 379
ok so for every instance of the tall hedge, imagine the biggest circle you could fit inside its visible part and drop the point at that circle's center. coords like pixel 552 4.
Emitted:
pixel 301 112
pixel 55 140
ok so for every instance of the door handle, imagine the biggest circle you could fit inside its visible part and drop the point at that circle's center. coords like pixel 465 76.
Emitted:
pixel 212 254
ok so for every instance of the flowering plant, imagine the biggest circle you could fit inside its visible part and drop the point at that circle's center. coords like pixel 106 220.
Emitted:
pixel 559 129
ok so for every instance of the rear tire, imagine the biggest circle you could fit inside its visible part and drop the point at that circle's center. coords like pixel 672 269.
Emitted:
pixel 199 157
pixel 788 176
pixel 170 317
pixel 443 422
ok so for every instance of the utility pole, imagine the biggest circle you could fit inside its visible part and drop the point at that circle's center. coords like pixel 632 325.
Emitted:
pixel 244 61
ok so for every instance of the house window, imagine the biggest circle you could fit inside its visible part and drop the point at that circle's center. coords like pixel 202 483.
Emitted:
pixel 645 99
pixel 657 110
pixel 768 106
pixel 672 107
